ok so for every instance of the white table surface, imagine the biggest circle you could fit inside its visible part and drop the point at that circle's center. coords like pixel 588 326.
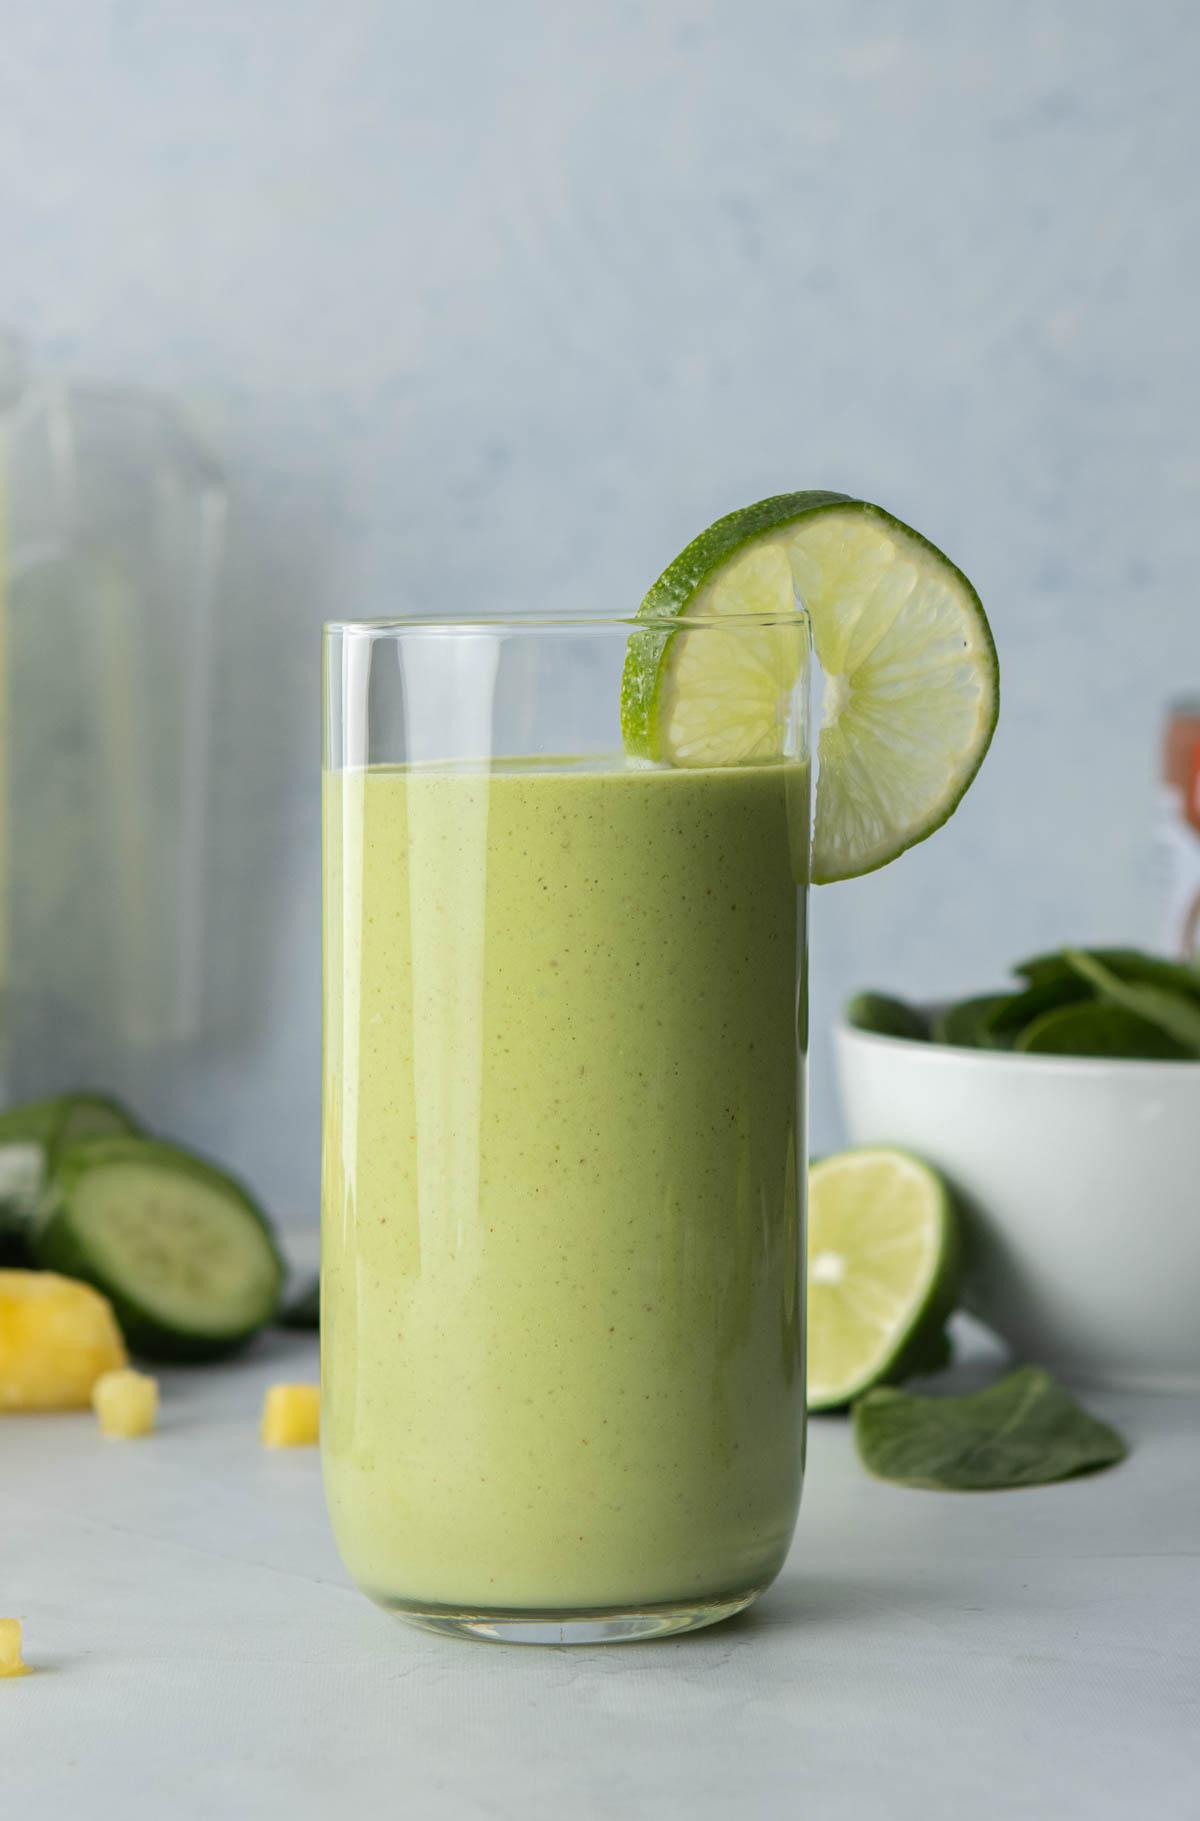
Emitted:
pixel 199 1652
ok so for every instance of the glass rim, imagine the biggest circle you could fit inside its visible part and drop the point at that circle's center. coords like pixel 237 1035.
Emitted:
pixel 451 623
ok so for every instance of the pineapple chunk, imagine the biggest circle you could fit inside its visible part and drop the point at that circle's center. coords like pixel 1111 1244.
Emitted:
pixel 291 1416
pixel 56 1338
pixel 126 1402
pixel 11 1663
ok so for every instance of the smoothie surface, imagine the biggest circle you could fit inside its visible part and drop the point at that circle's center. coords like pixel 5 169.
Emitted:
pixel 563 1310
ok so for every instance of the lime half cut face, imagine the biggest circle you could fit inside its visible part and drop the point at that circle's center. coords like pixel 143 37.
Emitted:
pixel 882 1271
pixel 911 684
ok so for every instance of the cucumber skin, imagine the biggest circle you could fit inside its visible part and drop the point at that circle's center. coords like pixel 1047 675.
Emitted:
pixel 123 1123
pixel 55 1247
pixel 40 1121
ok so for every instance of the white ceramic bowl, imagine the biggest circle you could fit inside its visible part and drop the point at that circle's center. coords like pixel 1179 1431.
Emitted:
pixel 1081 1184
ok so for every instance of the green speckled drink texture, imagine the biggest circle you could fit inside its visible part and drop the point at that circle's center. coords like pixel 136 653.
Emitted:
pixel 562 1247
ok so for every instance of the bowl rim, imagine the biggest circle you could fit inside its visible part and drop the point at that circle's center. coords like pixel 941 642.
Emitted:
pixel 1014 1059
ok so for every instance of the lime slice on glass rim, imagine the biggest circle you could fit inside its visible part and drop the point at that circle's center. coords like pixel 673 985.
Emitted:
pixel 911 680
pixel 883 1271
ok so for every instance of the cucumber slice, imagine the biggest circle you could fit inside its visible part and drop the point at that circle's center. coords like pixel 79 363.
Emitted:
pixel 182 1251
pixel 94 1116
pixel 25 1135
pixel 31 1136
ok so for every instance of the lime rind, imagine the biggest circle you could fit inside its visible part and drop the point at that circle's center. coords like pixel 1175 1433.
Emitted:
pixel 912 689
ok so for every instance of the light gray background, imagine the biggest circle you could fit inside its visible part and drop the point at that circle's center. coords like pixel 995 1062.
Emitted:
pixel 501 303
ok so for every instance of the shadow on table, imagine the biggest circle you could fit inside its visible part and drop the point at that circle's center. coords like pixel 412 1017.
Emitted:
pixel 824 1604
pixel 822 1601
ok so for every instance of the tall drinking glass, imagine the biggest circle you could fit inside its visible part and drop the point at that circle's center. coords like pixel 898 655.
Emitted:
pixel 563 1163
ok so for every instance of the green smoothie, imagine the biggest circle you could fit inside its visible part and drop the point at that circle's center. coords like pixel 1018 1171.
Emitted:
pixel 562 1346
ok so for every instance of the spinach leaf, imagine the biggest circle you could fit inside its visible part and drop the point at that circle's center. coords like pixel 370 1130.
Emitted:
pixel 1171 1011
pixel 1132 965
pixel 1093 1029
pixel 964 1024
pixel 1012 1014
pixel 1024 1431
pixel 886 1016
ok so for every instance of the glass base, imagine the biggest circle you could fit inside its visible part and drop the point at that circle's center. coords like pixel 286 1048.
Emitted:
pixel 614 1625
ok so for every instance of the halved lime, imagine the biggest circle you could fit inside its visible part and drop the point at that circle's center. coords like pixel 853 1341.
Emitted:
pixel 882 1271
pixel 911 680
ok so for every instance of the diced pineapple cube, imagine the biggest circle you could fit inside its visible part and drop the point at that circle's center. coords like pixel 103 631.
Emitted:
pixel 11 1662
pixel 126 1402
pixel 291 1416
pixel 56 1338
